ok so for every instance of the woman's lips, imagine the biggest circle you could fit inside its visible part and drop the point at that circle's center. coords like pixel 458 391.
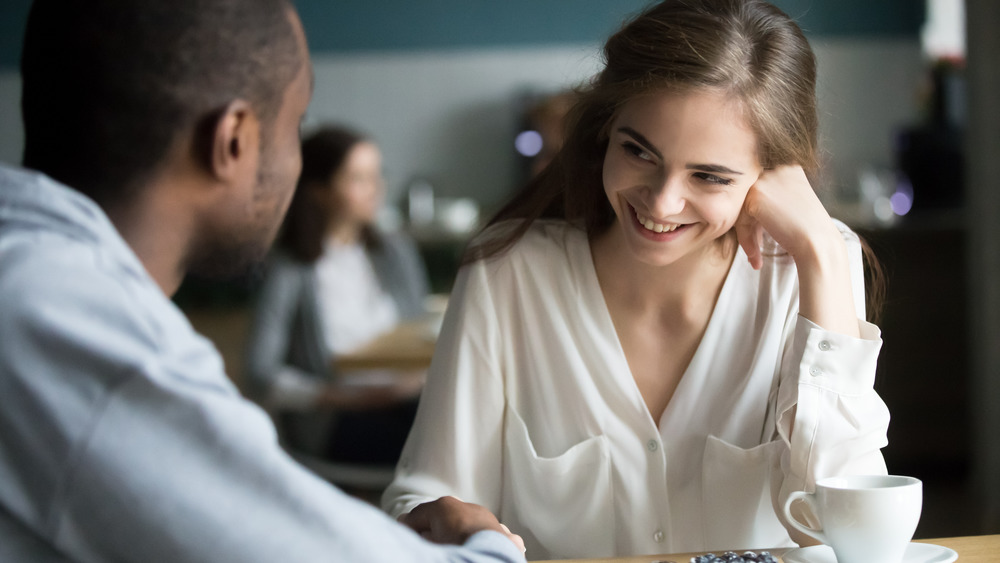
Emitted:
pixel 656 231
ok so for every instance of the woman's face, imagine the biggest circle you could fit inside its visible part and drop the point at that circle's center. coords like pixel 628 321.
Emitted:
pixel 677 169
pixel 358 185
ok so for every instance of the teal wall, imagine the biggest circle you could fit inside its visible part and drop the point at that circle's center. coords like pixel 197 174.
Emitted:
pixel 13 14
pixel 366 25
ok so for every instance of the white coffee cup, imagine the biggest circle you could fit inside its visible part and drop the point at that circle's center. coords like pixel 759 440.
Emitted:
pixel 864 518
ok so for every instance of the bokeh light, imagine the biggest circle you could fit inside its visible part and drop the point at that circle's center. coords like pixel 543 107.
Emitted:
pixel 902 199
pixel 528 143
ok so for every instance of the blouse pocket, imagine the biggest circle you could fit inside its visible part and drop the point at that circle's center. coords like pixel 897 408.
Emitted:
pixel 736 490
pixel 562 505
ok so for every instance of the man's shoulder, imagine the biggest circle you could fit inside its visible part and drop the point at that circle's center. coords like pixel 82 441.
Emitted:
pixel 19 544
pixel 56 284
pixel 42 262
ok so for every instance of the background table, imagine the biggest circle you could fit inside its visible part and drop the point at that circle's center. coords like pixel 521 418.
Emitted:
pixel 409 346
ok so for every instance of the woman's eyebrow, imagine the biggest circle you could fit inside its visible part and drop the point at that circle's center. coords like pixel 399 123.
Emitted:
pixel 639 138
pixel 642 140
pixel 713 168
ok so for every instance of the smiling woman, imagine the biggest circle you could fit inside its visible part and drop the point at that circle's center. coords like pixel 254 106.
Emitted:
pixel 663 335
pixel 683 181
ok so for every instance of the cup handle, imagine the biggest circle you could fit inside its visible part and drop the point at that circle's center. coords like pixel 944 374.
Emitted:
pixel 809 499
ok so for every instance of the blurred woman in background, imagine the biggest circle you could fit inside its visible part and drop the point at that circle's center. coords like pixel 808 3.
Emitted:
pixel 333 284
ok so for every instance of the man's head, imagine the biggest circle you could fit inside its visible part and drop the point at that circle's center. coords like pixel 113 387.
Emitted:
pixel 112 89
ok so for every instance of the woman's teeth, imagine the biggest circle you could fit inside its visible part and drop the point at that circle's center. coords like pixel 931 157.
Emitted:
pixel 655 227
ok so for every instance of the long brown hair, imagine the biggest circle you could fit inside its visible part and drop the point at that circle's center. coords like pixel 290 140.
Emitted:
pixel 747 49
pixel 324 153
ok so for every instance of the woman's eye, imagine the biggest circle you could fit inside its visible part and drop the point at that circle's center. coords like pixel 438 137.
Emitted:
pixel 636 151
pixel 713 179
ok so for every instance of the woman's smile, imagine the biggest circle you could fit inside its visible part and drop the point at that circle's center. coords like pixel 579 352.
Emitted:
pixel 656 230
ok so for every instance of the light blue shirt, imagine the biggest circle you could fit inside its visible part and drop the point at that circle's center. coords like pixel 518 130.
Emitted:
pixel 122 439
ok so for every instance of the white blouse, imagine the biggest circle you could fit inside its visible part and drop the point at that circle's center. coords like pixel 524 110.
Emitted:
pixel 354 308
pixel 530 409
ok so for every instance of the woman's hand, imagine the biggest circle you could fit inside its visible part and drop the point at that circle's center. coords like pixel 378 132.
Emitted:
pixel 449 520
pixel 783 203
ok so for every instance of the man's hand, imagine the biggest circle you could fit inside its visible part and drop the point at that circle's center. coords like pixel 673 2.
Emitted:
pixel 449 520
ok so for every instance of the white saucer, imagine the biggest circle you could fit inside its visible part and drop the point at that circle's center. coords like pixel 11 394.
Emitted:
pixel 915 553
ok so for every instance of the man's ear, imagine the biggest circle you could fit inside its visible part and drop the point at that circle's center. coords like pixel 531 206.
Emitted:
pixel 235 142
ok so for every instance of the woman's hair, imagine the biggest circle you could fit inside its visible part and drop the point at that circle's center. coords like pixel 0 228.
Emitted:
pixel 324 153
pixel 747 49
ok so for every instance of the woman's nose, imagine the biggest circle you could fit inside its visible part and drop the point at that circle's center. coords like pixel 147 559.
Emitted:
pixel 668 199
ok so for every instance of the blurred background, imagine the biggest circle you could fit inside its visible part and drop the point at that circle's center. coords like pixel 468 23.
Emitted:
pixel 451 90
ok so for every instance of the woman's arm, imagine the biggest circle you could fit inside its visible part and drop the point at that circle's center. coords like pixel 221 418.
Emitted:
pixel 455 445
pixel 828 412
pixel 272 380
pixel 783 203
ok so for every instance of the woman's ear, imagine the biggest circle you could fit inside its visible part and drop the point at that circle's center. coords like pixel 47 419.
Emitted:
pixel 235 141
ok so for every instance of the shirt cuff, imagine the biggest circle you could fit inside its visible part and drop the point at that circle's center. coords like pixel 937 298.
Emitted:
pixel 837 362
pixel 488 542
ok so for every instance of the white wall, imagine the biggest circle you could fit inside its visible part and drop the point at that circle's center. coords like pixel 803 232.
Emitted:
pixel 867 89
pixel 450 116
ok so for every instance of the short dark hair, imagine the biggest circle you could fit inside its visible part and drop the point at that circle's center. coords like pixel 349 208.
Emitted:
pixel 109 84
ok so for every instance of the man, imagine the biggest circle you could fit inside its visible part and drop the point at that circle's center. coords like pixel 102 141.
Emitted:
pixel 166 137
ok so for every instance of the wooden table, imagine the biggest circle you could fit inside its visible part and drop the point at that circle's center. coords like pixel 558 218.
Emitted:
pixel 409 346
pixel 970 549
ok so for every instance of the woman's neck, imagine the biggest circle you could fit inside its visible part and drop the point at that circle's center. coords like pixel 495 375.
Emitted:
pixel 689 286
pixel 344 232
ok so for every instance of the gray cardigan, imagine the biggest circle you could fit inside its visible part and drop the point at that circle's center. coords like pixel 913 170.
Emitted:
pixel 286 335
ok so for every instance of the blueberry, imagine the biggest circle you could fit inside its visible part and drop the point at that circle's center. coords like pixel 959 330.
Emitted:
pixel 733 557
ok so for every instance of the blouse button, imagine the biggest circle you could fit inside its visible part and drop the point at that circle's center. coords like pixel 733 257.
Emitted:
pixel 658 536
pixel 815 372
pixel 824 345
pixel 651 445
